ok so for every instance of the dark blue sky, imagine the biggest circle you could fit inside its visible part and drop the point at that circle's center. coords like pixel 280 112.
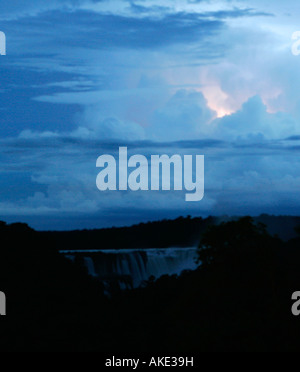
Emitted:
pixel 83 77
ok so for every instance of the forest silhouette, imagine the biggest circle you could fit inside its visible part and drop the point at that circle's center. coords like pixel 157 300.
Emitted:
pixel 239 299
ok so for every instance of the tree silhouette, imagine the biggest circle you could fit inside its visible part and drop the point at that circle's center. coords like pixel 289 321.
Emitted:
pixel 237 242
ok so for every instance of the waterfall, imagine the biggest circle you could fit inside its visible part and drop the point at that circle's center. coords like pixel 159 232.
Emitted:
pixel 89 263
pixel 131 267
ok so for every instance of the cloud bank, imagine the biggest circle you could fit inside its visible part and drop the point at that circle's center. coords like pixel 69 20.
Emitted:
pixel 82 78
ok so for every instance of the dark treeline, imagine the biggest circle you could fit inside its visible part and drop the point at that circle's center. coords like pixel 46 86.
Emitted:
pixel 161 234
pixel 182 232
pixel 239 299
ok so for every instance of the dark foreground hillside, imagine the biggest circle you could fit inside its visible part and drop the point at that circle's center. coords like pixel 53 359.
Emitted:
pixel 238 300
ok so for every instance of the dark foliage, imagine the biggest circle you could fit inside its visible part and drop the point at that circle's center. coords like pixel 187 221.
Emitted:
pixel 180 232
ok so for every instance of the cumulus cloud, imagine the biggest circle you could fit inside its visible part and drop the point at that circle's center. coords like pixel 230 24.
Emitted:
pixel 185 116
pixel 253 122
pixel 111 129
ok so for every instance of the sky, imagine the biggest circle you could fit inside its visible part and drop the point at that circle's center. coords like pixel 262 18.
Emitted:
pixel 82 78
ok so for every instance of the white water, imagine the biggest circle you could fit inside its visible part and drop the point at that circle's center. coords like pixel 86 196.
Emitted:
pixel 131 267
